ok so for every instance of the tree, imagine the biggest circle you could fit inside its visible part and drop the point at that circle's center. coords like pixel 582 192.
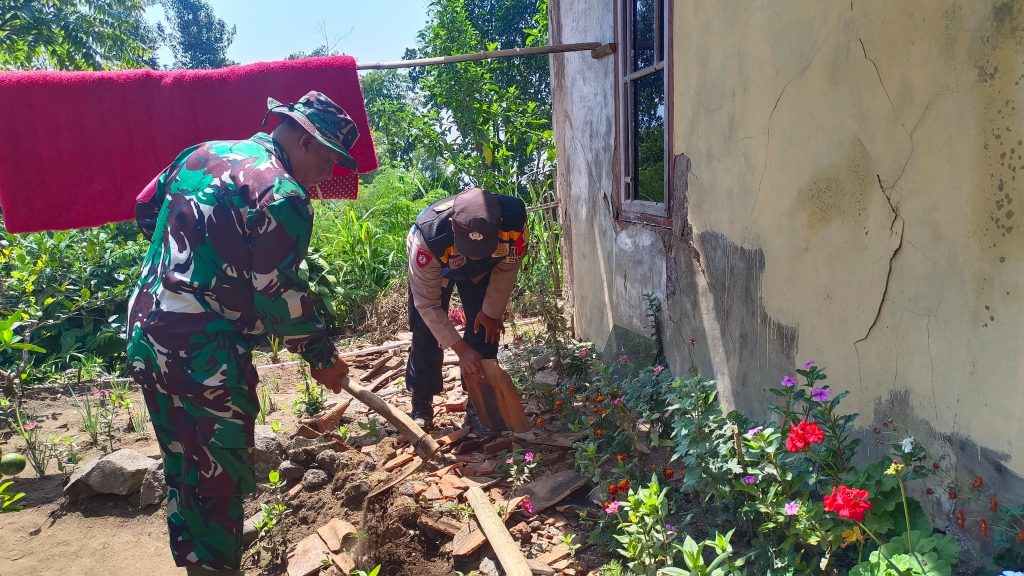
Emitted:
pixel 197 37
pixel 491 120
pixel 75 34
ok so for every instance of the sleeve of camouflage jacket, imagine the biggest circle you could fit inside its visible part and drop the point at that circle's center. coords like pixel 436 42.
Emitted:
pixel 503 279
pixel 280 234
pixel 425 283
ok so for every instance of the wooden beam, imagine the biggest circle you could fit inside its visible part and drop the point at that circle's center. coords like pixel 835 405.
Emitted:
pixel 488 55
pixel 505 548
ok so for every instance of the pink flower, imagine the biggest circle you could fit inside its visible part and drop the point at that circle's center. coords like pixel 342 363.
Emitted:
pixel 618 400
pixel 820 394
pixel 754 431
pixel 528 457
pixel 658 369
pixel 508 460
pixel 31 425
pixel 584 352
pixel 101 394
pixel 809 364
pixel 750 479
pixel 792 508
pixel 526 505
pixel 623 359
pixel 612 507
pixel 788 382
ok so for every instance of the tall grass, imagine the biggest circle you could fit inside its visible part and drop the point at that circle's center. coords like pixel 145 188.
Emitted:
pixel 358 247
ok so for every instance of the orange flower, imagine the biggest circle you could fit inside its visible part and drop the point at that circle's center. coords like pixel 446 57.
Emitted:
pixel 598 399
pixel 570 390
pixel 983 527
pixel 598 432
pixel 961 518
pixel 539 422
pixel 978 483
pixel 1020 536
pixel 993 503
pixel 624 486
pixel 620 458
pixel 564 414
pixel 613 489
pixel 668 473
pixel 559 404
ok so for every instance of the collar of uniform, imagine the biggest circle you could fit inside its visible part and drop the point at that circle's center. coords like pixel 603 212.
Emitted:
pixel 268 142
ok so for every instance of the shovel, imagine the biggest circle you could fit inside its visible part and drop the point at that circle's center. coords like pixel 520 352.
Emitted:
pixel 424 446
pixel 495 398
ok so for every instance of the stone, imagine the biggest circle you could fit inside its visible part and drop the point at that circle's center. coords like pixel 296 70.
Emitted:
pixel 488 567
pixel 542 361
pixel 290 471
pixel 268 451
pixel 120 473
pixel 548 377
pixel 249 528
pixel 315 479
pixel 330 462
pixel 154 487
pixel 354 493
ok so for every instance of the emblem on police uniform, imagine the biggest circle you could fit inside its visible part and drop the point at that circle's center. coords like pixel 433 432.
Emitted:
pixel 501 251
pixel 474 235
pixel 423 257
pixel 456 261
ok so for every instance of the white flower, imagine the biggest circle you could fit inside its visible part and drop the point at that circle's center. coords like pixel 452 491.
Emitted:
pixel 907 444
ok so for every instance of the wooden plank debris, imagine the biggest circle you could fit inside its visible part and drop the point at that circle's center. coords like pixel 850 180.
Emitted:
pixel 505 548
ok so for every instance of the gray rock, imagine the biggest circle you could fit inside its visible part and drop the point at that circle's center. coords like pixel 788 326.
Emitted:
pixel 329 461
pixel 315 479
pixel 154 487
pixel 549 377
pixel 120 473
pixel 541 361
pixel 249 530
pixel 488 567
pixel 269 451
pixel 290 471
pixel 305 451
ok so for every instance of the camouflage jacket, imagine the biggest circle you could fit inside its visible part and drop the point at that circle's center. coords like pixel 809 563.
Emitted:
pixel 229 229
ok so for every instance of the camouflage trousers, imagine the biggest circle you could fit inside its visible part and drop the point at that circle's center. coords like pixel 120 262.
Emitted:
pixel 202 401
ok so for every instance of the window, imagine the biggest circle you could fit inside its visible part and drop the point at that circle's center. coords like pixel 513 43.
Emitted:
pixel 643 105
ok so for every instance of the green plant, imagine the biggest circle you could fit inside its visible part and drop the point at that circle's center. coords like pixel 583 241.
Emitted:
pixel 277 427
pixel 587 460
pixel 612 568
pixel 267 404
pixel 570 545
pixel 88 408
pixel 374 572
pixel 311 399
pixel 693 558
pixel 139 420
pixel 271 530
pixel 372 427
pixel 646 541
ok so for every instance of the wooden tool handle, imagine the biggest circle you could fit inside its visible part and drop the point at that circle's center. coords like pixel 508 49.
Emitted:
pixel 422 443
pixel 505 548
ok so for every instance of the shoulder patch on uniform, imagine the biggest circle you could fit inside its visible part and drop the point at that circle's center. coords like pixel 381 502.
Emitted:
pixel 423 257
pixel 444 206
pixel 456 261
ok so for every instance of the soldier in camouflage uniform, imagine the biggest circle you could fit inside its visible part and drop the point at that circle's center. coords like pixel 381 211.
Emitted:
pixel 230 224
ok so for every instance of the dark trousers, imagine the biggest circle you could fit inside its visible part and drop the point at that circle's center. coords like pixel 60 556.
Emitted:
pixel 423 370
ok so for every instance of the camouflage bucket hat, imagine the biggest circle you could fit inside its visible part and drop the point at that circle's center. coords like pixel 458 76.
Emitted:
pixel 325 120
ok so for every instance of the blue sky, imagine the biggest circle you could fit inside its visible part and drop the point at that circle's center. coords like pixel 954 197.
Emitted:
pixel 370 30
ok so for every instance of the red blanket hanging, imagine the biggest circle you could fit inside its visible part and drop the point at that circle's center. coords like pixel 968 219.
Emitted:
pixel 76 148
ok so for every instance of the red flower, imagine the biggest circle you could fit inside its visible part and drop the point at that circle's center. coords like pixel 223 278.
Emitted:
pixel 849 503
pixel 559 404
pixel 668 473
pixel 598 399
pixel 952 494
pixel 1020 536
pixel 539 422
pixel 803 435
pixel 961 518
pixel 624 486
pixel 983 527
pixel 930 491
pixel 993 503
pixel 978 483
pixel 620 458
pixel 935 465
pixel 570 390
pixel 598 433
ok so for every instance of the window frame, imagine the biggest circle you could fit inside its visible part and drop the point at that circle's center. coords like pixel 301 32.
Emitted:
pixel 629 208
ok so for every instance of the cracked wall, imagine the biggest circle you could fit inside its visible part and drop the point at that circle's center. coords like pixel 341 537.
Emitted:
pixel 853 185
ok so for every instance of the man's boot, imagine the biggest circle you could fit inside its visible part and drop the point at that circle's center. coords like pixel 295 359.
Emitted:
pixel 475 425
pixel 423 411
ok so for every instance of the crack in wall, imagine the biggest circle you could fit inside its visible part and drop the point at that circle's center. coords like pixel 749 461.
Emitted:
pixel 888 275
pixel 880 82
